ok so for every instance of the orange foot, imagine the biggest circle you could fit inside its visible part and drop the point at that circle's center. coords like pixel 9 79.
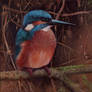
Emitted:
pixel 47 70
pixel 29 70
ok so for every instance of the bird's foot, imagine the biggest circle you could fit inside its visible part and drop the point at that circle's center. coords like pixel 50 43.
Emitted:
pixel 48 71
pixel 29 70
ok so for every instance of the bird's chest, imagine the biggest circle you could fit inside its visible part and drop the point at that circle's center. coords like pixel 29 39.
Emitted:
pixel 44 39
pixel 41 39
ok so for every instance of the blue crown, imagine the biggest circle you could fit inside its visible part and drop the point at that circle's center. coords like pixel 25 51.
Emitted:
pixel 36 15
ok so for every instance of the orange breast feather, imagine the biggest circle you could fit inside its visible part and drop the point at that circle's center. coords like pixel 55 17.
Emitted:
pixel 37 52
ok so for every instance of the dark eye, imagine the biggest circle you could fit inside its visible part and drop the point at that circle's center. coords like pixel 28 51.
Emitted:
pixel 48 19
pixel 45 19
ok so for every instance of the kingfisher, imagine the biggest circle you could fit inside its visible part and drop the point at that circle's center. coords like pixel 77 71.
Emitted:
pixel 35 41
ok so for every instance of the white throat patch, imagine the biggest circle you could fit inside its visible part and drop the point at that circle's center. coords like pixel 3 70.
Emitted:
pixel 29 27
pixel 46 28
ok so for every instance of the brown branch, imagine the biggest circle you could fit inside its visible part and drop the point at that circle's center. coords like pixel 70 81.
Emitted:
pixel 76 13
pixel 57 14
pixel 71 85
pixel 19 25
pixel 4 20
pixel 14 10
pixel 59 73
pixel 28 4
pixel 15 75
pixel 55 72
pixel 72 14
pixel 66 46
pixel 61 9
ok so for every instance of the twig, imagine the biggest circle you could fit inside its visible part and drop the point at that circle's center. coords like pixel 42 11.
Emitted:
pixel 61 9
pixel 53 85
pixel 70 61
pixel 14 10
pixel 63 15
pixel 28 3
pixel 71 85
pixel 15 23
pixel 76 13
pixel 72 14
pixel 4 14
pixel 66 46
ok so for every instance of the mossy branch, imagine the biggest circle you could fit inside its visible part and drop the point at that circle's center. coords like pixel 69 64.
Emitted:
pixel 59 73
pixel 55 72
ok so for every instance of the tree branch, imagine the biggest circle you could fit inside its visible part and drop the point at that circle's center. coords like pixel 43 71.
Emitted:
pixel 61 9
pixel 14 10
pixel 71 85
pixel 55 72
pixel 57 14
pixel 59 73
pixel 76 13
pixel 72 14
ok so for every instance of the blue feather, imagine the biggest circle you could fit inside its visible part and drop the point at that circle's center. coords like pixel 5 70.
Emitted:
pixel 20 37
pixel 35 15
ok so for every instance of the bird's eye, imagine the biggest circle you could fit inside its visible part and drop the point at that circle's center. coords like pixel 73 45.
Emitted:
pixel 48 19
pixel 45 19
pixel 29 27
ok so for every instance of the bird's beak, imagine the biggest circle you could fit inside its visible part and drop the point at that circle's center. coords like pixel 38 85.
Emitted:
pixel 54 22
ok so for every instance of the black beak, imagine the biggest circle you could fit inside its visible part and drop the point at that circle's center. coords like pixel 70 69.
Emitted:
pixel 54 22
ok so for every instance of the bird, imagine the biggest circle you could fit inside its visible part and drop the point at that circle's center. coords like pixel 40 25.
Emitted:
pixel 35 41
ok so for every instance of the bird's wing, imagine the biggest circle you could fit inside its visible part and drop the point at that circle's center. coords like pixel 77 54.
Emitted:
pixel 24 35
pixel 20 38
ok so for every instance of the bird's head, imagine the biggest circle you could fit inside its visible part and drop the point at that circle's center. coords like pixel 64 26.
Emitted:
pixel 37 17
